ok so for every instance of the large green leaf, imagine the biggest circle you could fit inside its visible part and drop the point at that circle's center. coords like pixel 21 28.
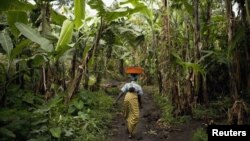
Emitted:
pixel 16 16
pixel 65 35
pixel 110 16
pixel 56 132
pixel 6 42
pixel 86 50
pixel 34 36
pixel 139 7
pixel 6 132
pixel 79 12
pixel 78 104
pixel 98 5
pixel 15 5
pixel 57 18
pixel 19 48
pixel 133 2
pixel 188 7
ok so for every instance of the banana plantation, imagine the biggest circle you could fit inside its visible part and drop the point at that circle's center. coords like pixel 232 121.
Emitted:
pixel 63 63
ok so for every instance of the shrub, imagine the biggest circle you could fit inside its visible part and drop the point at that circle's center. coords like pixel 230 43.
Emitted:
pixel 200 135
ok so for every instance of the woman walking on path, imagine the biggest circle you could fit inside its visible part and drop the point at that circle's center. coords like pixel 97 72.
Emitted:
pixel 131 104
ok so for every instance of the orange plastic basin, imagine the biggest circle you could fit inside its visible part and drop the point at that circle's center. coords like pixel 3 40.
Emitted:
pixel 134 70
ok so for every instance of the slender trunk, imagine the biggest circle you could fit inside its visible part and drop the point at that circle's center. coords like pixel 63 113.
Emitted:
pixel 164 42
pixel 247 3
pixel 158 69
pixel 73 66
pixel 63 83
pixel 159 77
pixel 86 78
pixel 121 66
pixel 207 23
pixel 230 20
pixel 207 44
pixel 198 45
pixel 44 79
pixel 99 74
pixel 76 80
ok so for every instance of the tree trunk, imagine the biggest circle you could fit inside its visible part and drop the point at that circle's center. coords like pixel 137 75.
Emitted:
pixel 198 45
pixel 121 66
pixel 76 80
pixel 247 3
pixel 231 67
pixel 207 23
pixel 73 66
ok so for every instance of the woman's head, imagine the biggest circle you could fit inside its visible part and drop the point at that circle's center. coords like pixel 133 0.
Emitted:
pixel 134 77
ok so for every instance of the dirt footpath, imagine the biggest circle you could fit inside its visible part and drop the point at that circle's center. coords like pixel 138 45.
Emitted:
pixel 150 127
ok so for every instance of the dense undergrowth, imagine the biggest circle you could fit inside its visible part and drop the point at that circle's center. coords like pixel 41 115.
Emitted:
pixel 215 113
pixel 166 107
pixel 28 116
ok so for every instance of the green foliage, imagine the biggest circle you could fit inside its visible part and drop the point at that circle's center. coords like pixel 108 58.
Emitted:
pixel 196 67
pixel 16 16
pixel 200 135
pixel 34 36
pixel 166 107
pixel 97 5
pixel 79 12
pixel 6 42
pixel 113 91
pixel 57 18
pixel 65 36
pixel 19 48
pixel 56 132
pixel 29 117
pixel 237 39
pixel 15 5
pixel 216 110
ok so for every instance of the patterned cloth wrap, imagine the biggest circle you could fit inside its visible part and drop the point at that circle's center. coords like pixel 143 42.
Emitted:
pixel 131 105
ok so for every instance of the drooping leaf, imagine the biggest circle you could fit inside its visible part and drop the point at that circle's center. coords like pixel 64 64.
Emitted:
pixel 133 2
pixel 16 16
pixel 98 5
pixel 61 54
pixel 69 132
pixel 194 66
pixel 53 102
pixel 6 132
pixel 19 48
pixel 34 36
pixel 86 50
pixel 57 18
pixel 40 121
pixel 78 104
pixel 142 8
pixel 15 5
pixel 6 42
pixel 37 60
pixel 110 16
pixel 238 36
pixel 65 35
pixel 56 132
pixel 79 12
pixel 188 7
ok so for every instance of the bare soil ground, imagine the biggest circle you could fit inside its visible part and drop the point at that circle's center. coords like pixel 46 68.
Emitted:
pixel 150 127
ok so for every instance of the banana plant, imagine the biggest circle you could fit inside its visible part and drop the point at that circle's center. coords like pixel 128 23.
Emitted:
pixel 7 45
